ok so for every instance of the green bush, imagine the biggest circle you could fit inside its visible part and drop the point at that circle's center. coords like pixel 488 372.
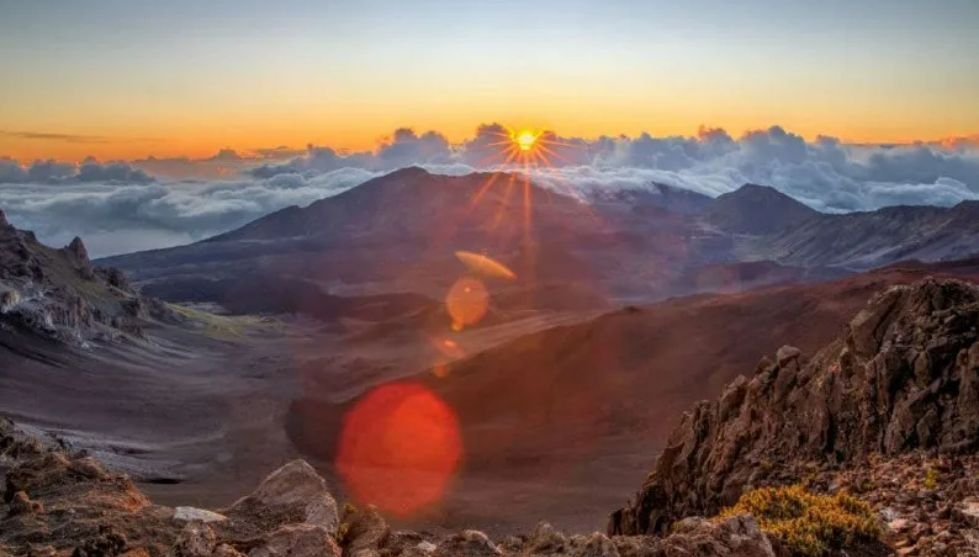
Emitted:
pixel 808 524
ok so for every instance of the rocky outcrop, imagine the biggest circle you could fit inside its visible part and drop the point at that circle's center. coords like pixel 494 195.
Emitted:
pixel 904 377
pixel 59 293
pixel 63 504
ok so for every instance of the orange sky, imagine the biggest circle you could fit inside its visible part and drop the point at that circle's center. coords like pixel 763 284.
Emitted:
pixel 128 80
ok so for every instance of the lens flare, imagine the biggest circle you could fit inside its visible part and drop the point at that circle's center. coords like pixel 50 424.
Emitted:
pixel 467 302
pixel 399 449
pixel 485 265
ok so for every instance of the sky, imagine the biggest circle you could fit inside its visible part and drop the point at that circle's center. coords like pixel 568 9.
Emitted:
pixel 127 79
pixel 140 125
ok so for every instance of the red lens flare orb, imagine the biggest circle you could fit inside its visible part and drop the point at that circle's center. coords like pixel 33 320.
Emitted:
pixel 399 449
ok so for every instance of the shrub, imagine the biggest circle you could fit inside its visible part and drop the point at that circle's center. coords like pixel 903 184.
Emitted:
pixel 931 479
pixel 808 524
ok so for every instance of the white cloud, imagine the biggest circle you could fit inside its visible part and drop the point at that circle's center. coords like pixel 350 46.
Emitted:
pixel 115 218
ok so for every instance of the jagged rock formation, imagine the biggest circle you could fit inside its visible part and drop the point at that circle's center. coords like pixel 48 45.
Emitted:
pixel 59 293
pixel 904 377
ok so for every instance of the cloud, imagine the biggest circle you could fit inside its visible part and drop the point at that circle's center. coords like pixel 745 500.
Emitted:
pixel 116 217
pixel 57 172
pixel 46 136
pixel 403 148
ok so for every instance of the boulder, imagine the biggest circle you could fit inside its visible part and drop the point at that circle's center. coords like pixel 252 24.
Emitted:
pixel 468 543
pixel 298 540
pixel 294 491
pixel 190 514
pixel 195 540
pixel 596 545
pixel 365 531
pixel 21 504
pixel 546 540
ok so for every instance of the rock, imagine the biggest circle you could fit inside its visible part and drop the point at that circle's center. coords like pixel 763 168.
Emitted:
pixel 787 354
pixel 967 511
pixel 108 543
pixel 365 530
pixel 195 540
pixel 737 536
pixel 596 545
pixel 9 298
pixel 426 547
pixel 468 543
pixel 188 514
pixel 225 550
pixel 294 489
pixel 546 540
pixel 298 540
pixel 77 249
pixel 898 525
pixel 88 468
pixel 905 376
pixel 21 504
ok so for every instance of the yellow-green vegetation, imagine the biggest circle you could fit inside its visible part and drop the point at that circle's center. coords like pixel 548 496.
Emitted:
pixel 219 326
pixel 931 479
pixel 806 523
pixel 349 510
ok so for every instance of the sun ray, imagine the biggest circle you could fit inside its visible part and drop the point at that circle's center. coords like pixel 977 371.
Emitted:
pixel 504 203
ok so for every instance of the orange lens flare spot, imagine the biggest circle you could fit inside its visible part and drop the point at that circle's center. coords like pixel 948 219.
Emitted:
pixel 485 265
pixel 441 371
pixel 399 448
pixel 467 302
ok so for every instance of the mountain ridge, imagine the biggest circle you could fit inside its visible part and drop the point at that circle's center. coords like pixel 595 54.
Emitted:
pixel 903 377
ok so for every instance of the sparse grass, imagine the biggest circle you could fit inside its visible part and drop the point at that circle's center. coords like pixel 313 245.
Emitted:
pixel 809 524
pixel 346 514
pixel 218 326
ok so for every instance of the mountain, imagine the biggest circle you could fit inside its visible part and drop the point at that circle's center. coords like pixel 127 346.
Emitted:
pixel 58 293
pixel 759 210
pixel 654 200
pixel 902 380
pixel 872 239
pixel 398 233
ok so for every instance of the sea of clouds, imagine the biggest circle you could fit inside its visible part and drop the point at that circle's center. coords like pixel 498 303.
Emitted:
pixel 125 206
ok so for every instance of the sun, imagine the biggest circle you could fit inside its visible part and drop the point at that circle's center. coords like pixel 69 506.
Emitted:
pixel 525 140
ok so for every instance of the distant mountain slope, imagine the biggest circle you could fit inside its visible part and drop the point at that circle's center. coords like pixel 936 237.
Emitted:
pixel 872 239
pixel 754 209
pixel 397 233
pixel 655 199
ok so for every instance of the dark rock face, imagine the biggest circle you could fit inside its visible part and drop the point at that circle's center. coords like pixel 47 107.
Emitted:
pixel 58 293
pixel 905 376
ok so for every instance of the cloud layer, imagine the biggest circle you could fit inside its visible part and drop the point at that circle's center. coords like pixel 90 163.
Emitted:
pixel 123 206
